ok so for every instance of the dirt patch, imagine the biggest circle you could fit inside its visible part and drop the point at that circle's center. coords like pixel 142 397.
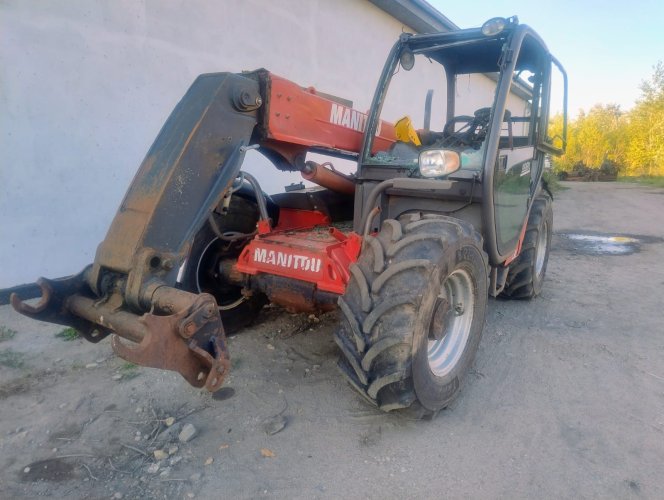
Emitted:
pixel 16 386
pixel 26 382
pixel 223 394
pixel 69 432
pixel 52 469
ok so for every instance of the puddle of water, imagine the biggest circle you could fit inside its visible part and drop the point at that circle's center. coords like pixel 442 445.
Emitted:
pixel 603 245
pixel 594 243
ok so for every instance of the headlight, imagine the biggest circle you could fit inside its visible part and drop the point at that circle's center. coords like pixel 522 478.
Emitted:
pixel 494 26
pixel 438 162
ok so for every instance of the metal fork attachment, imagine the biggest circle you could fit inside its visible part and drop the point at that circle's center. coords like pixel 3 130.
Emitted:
pixel 190 341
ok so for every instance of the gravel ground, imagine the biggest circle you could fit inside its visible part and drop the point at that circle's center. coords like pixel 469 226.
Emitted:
pixel 565 398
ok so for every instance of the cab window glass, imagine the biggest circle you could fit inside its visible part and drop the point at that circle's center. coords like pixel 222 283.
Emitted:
pixel 402 126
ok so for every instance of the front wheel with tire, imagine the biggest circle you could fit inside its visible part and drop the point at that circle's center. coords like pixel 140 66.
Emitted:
pixel 526 273
pixel 202 275
pixel 413 313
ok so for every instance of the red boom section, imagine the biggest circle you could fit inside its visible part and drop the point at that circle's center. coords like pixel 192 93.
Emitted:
pixel 304 247
pixel 300 116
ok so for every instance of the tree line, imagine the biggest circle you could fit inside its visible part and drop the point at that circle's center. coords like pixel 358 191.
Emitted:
pixel 608 140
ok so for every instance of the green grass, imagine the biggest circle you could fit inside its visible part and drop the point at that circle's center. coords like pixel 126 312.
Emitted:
pixel 12 359
pixel 6 333
pixel 128 371
pixel 655 181
pixel 68 334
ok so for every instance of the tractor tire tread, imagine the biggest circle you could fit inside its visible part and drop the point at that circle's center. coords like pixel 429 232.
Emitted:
pixel 376 342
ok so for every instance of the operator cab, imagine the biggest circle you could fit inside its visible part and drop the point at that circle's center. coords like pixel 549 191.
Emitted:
pixel 470 114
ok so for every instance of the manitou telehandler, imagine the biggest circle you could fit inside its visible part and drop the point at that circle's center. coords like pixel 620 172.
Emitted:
pixel 408 247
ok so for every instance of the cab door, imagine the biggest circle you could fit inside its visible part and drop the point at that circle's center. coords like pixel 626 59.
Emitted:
pixel 523 140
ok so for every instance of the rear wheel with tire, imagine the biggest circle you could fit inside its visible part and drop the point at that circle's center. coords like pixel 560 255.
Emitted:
pixel 526 273
pixel 413 313
pixel 202 275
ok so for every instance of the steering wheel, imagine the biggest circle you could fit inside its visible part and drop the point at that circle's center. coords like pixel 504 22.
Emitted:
pixel 472 133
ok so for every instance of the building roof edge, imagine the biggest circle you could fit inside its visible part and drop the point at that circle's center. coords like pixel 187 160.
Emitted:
pixel 417 14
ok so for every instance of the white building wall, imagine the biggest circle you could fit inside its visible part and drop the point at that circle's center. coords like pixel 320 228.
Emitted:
pixel 86 85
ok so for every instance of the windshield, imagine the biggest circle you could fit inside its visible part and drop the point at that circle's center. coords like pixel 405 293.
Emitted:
pixel 421 114
pixel 445 102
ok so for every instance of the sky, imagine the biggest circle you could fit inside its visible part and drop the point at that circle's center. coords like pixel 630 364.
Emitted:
pixel 607 47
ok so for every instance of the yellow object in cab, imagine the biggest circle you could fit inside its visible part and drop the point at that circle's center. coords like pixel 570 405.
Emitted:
pixel 405 131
